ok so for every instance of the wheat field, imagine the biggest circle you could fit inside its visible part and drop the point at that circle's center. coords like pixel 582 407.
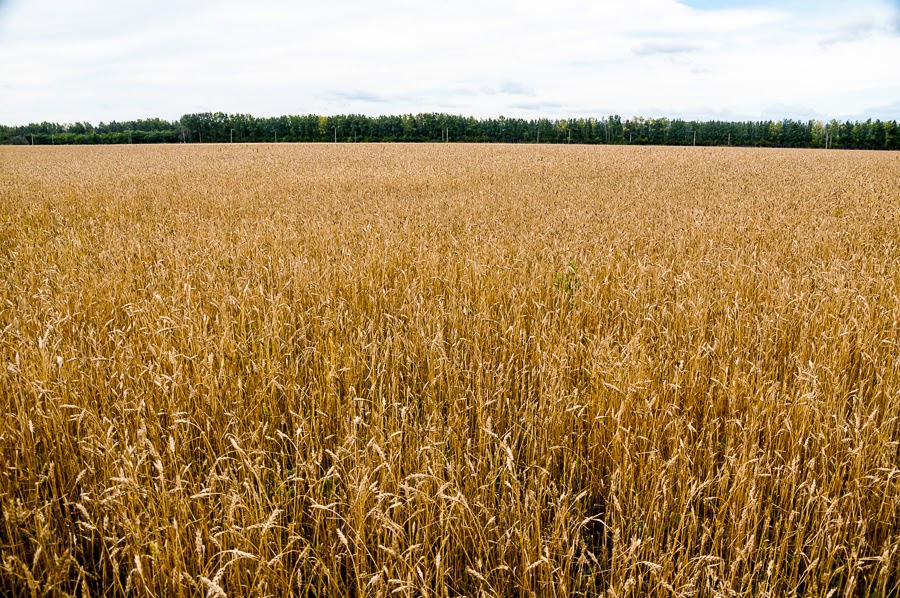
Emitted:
pixel 449 370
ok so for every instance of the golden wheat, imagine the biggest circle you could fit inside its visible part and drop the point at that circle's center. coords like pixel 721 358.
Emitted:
pixel 447 370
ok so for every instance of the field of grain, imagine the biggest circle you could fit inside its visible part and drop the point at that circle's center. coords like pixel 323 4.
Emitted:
pixel 445 370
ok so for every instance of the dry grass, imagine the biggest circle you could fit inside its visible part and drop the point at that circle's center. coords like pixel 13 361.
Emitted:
pixel 449 370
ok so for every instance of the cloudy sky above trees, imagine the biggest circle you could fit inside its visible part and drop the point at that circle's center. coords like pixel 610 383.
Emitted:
pixel 101 60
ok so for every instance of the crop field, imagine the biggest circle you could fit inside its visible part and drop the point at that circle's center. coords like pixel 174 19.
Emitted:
pixel 449 370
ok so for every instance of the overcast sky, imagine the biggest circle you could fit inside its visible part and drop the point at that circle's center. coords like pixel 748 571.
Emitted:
pixel 98 60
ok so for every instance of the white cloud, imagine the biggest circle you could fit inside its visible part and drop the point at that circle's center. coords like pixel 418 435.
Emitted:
pixel 101 60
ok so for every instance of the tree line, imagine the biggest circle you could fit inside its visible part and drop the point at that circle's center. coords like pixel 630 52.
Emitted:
pixel 218 127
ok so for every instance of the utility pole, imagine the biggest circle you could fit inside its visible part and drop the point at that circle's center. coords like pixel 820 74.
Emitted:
pixel 695 137
pixel 32 139
pixel 129 137
pixel 232 136
pixel 335 134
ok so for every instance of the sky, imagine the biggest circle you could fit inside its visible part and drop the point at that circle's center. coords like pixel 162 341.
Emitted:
pixel 100 60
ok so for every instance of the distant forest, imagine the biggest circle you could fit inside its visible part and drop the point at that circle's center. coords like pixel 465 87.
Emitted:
pixel 244 128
